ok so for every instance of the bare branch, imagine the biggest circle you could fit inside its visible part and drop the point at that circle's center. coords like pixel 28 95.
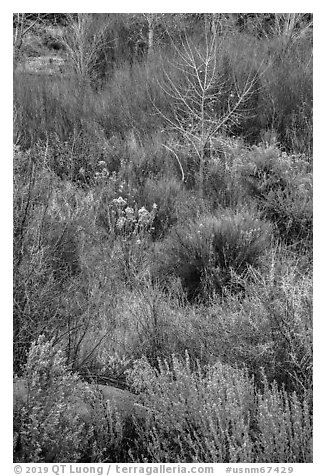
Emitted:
pixel 178 160
pixel 203 105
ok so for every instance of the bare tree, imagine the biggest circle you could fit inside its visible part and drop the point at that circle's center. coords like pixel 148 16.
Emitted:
pixel 151 19
pixel 287 27
pixel 144 26
pixel 290 27
pixel 206 99
pixel 83 40
pixel 23 23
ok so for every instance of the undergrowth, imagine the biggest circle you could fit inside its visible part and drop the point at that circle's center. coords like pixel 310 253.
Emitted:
pixel 198 301
pixel 208 414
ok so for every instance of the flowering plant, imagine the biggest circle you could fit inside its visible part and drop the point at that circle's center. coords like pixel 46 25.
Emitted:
pixel 128 222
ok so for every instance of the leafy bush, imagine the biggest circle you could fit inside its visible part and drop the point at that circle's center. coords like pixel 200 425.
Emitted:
pixel 216 415
pixel 207 252
pixel 47 426
pixel 284 426
pixel 265 171
pixel 62 418
pixel 270 327
pixel 282 186
pixel 292 212
pixel 288 305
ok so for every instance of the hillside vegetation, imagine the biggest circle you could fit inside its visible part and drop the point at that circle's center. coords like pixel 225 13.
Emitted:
pixel 163 234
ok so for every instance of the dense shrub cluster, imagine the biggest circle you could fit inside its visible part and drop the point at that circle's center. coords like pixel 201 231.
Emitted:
pixel 282 187
pixel 216 415
pixel 166 251
pixel 62 418
pixel 213 250
pixel 74 276
pixel 46 428
pixel 212 414
pixel 131 95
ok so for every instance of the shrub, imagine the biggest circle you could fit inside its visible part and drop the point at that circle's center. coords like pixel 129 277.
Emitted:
pixel 282 99
pixel 287 102
pixel 46 249
pixel 165 193
pixel 284 427
pixel 35 289
pixel 85 41
pixel 174 203
pixel 265 170
pixel 194 417
pixel 113 278
pixel 216 415
pixel 70 109
pixel 151 323
pixel 53 244
pixel 270 327
pixel 47 426
pixel 221 184
pixel 207 252
pixel 64 419
pixel 292 212
pixel 282 186
pixel 288 304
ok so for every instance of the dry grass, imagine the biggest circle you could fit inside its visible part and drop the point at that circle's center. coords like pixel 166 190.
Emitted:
pixel 223 278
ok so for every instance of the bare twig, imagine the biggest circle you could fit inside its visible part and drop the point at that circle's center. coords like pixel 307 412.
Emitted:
pixel 203 103
pixel 178 160
pixel 83 40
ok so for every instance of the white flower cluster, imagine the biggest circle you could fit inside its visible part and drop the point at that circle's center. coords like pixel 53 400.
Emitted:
pixel 129 221
pixel 119 202
pixel 103 173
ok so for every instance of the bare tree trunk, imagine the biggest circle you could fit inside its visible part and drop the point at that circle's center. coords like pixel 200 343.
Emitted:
pixel 150 40
pixel 201 175
pixel 151 24
pixel 151 20
pixel 207 107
